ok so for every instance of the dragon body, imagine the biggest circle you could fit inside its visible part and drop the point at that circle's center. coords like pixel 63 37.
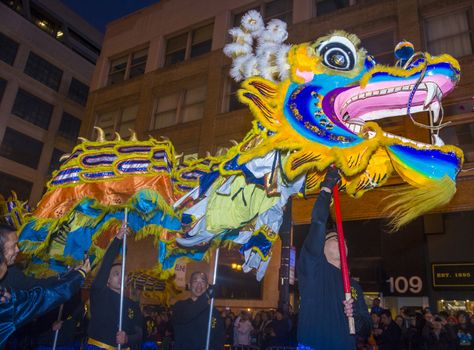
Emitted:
pixel 314 105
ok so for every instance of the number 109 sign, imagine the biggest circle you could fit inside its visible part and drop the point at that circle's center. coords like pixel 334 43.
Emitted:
pixel 405 285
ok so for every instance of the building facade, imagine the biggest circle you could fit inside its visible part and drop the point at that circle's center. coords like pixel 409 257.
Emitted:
pixel 162 72
pixel 47 57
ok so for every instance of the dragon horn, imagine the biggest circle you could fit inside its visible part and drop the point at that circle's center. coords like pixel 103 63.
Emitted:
pixel 117 137
pixel 133 137
pixel 100 134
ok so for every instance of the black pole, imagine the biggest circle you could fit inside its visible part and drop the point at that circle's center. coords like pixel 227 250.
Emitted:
pixel 284 280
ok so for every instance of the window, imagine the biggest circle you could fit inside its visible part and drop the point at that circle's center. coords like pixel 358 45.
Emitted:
pixel 381 47
pixel 16 5
pixel 43 71
pixel 9 183
pixel 8 49
pixel 69 127
pixel 21 148
pixel 231 102
pixel 46 22
pixel 127 67
pixel 461 130
pixel 188 45
pixel 120 120
pixel 281 9
pixel 180 107
pixel 449 33
pixel 3 85
pixel 32 109
pixel 461 135
pixel 78 92
pixel 323 7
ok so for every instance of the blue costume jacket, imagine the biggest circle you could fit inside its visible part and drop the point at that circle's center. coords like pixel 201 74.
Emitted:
pixel 25 305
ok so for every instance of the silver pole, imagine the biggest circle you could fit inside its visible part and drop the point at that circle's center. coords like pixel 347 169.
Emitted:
pixel 122 282
pixel 56 332
pixel 214 277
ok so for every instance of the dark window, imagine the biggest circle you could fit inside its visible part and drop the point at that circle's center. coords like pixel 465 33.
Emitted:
pixel 232 101
pixel 55 160
pixel 3 85
pixel 21 148
pixel 381 47
pixel 127 67
pixel 45 21
pixel 461 135
pixel 8 49
pixel 324 7
pixel 16 5
pixel 78 92
pixel 32 109
pixel 69 127
pixel 9 183
pixel 43 71
pixel 83 41
pixel 187 45
pixel 280 9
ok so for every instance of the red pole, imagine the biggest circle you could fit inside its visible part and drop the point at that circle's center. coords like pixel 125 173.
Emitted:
pixel 342 253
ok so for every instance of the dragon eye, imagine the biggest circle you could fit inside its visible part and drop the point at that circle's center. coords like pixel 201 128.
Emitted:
pixel 338 53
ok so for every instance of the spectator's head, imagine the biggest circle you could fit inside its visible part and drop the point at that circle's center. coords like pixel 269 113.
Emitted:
pixel 399 321
pixel 376 302
pixel 428 316
pixel 386 317
pixel 375 318
pixel 8 244
pixel 115 277
pixel 452 321
pixel 198 284
pixel 331 249
pixel 264 316
pixel 437 323
pixel 279 315
pixel 462 317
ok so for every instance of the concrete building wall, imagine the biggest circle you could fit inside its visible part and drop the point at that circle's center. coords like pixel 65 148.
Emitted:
pixel 31 39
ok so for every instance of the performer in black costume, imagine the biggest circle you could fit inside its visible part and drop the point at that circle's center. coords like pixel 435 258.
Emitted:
pixel 322 322
pixel 190 318
pixel 104 305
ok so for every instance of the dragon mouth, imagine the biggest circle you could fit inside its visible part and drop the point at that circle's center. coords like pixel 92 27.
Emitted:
pixel 353 107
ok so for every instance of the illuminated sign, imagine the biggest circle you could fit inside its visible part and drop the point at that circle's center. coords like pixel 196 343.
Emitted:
pixel 453 275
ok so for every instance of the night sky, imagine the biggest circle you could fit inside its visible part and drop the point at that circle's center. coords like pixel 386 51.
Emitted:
pixel 100 12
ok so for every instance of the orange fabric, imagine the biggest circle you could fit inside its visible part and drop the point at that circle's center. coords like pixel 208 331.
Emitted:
pixel 58 202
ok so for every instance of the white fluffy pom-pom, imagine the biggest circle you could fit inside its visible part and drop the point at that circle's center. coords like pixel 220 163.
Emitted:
pixel 282 61
pixel 244 67
pixel 240 37
pixel 275 32
pixel 252 22
pixel 234 50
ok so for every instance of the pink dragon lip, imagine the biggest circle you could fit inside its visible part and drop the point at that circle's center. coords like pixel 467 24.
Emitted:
pixel 390 98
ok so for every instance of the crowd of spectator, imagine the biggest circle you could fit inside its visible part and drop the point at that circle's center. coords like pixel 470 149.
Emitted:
pixel 419 331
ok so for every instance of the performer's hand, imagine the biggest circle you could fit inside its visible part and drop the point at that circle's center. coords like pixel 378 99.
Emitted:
pixel 211 291
pixel 85 266
pixel 121 337
pixel 348 308
pixel 57 325
pixel 331 179
pixel 124 230
pixel 4 295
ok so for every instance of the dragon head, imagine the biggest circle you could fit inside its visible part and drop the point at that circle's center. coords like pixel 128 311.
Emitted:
pixel 318 102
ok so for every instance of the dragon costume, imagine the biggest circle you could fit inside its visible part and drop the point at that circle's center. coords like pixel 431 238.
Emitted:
pixel 314 105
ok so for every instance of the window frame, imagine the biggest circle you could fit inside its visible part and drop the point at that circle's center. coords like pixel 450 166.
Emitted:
pixel 129 56
pixel 189 42
pixel 260 6
pixel 118 118
pixel 467 10
pixel 179 108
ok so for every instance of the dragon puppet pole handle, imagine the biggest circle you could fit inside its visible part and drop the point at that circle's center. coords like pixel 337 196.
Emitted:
pixel 211 306
pixel 122 281
pixel 342 253
pixel 56 332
